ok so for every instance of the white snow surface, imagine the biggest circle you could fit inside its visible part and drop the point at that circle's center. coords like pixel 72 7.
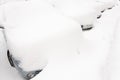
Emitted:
pixel 83 11
pixel 91 61
pixel 6 71
pixel 35 32
pixel 113 60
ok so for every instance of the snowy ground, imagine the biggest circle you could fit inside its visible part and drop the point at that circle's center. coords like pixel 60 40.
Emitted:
pixel 92 58
pixel 93 55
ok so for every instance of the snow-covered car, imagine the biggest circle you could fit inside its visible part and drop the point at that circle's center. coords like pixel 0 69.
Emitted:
pixel 84 12
pixel 105 5
pixel 34 31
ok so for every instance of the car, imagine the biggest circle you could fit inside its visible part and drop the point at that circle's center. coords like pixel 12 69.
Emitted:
pixel 34 31
pixel 85 12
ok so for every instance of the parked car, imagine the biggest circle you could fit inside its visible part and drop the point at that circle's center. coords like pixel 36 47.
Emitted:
pixel 34 31
pixel 85 12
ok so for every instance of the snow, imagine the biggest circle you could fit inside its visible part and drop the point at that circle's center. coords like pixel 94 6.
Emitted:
pixel 94 60
pixel 6 71
pixel 84 12
pixel 91 63
pixel 6 1
pixel 48 33
pixel 113 64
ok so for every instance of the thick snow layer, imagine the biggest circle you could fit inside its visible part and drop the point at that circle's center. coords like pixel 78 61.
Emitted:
pixel 6 71
pixel 89 64
pixel 5 1
pixel 113 60
pixel 84 12
pixel 33 31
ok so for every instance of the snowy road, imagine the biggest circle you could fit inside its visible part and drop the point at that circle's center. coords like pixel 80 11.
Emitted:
pixel 92 56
